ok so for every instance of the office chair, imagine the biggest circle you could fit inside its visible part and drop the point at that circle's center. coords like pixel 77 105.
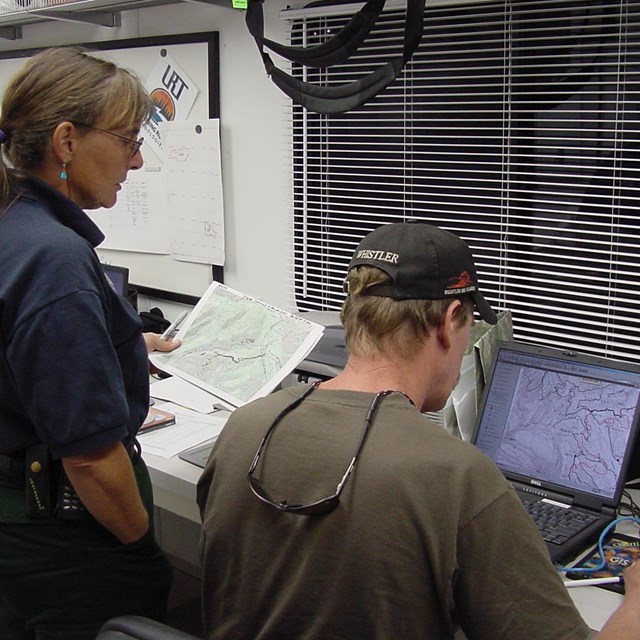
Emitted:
pixel 139 628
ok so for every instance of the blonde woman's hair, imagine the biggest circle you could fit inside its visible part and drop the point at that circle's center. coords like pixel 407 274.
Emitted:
pixel 375 324
pixel 58 85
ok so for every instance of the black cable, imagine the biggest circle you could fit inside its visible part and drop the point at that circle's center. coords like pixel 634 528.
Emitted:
pixel 628 506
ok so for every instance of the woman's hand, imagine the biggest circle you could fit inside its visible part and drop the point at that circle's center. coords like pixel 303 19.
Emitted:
pixel 155 343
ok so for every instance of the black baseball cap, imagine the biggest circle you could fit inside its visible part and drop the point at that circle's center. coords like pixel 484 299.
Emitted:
pixel 424 262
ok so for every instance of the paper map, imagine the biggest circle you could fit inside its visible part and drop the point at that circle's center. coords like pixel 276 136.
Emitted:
pixel 238 348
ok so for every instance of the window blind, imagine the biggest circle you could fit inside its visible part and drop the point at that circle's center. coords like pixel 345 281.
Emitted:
pixel 516 126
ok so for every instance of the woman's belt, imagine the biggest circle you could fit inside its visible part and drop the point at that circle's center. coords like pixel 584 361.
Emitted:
pixel 14 465
pixel 48 491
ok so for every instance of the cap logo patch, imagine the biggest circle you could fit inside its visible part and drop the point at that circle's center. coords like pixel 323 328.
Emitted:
pixel 462 281
pixel 384 256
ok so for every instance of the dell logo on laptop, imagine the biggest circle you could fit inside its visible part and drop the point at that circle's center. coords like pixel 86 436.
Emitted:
pixel 536 482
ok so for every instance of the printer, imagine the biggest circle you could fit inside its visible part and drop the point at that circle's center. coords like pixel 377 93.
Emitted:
pixel 328 357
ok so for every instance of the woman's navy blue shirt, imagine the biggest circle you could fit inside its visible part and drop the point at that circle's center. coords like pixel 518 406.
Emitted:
pixel 74 370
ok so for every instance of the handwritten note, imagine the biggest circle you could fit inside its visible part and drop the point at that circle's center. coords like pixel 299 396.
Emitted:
pixel 173 205
pixel 139 221
pixel 193 173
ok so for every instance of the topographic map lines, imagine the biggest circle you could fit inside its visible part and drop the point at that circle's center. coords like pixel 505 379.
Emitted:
pixel 568 426
pixel 239 348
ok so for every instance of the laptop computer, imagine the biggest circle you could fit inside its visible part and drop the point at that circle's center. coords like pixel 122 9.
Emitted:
pixel 118 277
pixel 561 426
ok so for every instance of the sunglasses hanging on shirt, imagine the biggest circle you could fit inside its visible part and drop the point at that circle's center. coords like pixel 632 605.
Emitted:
pixel 325 505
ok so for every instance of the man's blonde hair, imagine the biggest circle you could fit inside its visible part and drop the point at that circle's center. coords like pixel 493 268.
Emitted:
pixel 376 324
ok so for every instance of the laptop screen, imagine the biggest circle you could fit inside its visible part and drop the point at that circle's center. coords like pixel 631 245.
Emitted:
pixel 558 419
pixel 119 278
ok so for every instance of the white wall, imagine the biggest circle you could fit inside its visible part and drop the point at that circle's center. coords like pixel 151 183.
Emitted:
pixel 254 128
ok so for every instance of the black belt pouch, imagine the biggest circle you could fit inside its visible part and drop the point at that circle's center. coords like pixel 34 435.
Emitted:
pixel 39 482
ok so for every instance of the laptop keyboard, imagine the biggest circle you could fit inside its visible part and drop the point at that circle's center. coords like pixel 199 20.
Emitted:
pixel 557 524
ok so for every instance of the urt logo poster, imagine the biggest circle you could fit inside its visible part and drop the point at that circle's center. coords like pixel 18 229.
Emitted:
pixel 173 94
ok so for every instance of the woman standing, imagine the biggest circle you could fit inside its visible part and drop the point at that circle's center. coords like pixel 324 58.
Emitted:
pixel 76 538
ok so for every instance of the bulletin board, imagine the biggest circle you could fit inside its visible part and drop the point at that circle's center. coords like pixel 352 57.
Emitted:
pixel 158 275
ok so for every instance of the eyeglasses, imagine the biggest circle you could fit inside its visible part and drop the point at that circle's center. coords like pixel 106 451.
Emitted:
pixel 326 504
pixel 134 145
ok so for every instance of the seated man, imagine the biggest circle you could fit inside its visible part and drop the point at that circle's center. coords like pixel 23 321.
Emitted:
pixel 338 511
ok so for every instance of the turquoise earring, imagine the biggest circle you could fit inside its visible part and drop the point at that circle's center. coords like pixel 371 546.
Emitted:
pixel 63 173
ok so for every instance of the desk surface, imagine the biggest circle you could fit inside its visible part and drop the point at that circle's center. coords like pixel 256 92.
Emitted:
pixel 597 604
pixel 174 484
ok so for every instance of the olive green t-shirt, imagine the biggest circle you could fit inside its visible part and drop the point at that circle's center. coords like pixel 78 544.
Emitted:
pixel 427 537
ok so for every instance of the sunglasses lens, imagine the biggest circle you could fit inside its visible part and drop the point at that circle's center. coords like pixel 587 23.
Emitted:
pixel 315 509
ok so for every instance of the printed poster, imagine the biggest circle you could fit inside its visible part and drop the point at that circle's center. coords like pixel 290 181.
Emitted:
pixel 173 94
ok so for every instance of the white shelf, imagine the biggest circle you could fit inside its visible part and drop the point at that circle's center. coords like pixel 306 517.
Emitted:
pixel 106 13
